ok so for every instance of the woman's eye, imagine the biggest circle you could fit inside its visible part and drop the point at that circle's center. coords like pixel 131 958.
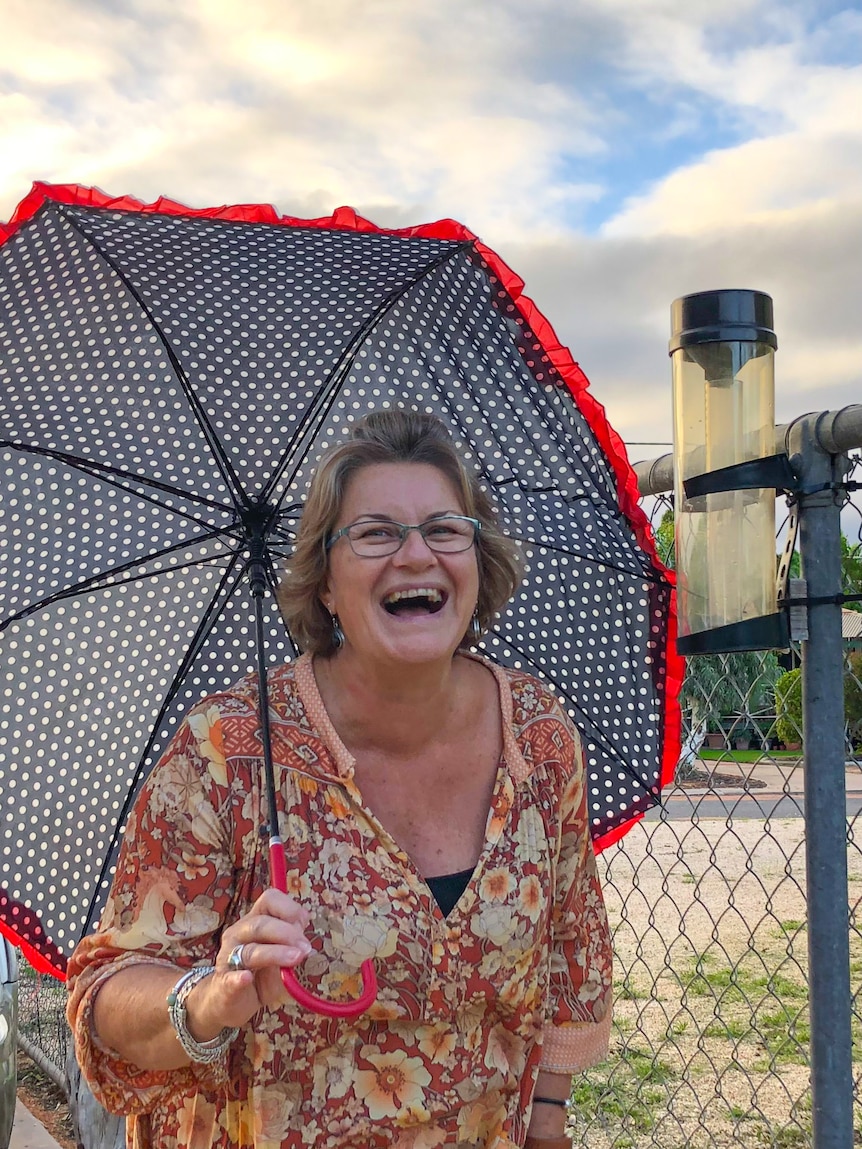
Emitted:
pixel 376 531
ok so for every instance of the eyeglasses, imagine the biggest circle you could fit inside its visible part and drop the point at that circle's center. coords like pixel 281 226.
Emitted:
pixel 375 538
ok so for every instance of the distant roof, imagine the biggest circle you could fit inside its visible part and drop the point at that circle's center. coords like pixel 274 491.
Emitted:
pixel 851 624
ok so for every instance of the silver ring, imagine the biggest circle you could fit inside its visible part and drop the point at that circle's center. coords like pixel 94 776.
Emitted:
pixel 235 960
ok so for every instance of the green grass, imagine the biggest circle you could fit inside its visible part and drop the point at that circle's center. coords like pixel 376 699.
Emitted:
pixel 785 1034
pixel 729 1030
pixel 627 990
pixel 732 983
pixel 785 1137
pixel 791 926
pixel 749 755
pixel 627 1092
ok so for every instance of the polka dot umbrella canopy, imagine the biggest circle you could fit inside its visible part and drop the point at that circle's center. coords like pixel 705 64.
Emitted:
pixel 168 379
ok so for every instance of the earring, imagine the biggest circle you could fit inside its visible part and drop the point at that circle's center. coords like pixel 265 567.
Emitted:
pixel 337 633
pixel 475 627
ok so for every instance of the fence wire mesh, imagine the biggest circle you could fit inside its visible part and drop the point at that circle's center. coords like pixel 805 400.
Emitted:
pixel 708 905
pixel 42 1027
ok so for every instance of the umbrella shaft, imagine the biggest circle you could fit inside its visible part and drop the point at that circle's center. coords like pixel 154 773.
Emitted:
pixel 257 576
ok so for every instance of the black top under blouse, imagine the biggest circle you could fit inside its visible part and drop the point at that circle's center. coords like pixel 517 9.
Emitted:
pixel 448 888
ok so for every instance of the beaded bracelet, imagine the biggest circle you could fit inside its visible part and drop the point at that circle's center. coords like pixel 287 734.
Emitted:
pixel 205 1052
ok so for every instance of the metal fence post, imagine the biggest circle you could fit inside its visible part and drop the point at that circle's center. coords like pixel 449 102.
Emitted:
pixel 825 788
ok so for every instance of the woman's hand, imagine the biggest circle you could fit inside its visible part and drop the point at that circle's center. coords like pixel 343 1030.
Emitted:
pixel 272 935
pixel 130 1014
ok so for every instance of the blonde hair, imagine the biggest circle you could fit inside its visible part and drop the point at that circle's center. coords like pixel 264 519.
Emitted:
pixel 387 437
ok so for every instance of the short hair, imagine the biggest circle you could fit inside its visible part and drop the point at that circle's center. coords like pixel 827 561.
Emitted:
pixel 391 436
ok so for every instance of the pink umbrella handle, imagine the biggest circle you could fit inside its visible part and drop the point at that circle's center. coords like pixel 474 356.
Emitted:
pixel 346 1009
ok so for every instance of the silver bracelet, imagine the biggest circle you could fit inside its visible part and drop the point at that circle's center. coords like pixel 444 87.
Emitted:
pixel 202 1051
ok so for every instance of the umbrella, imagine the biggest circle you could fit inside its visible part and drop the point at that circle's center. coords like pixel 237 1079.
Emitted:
pixel 168 379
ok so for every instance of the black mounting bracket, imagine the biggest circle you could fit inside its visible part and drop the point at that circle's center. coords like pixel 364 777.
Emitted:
pixel 771 471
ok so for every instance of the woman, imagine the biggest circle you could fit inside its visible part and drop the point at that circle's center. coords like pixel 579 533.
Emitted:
pixel 434 820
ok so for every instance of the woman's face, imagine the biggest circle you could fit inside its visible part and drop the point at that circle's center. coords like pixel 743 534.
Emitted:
pixel 378 623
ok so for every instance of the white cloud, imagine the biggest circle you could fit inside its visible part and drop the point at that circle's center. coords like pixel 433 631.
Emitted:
pixel 502 115
pixel 387 102
pixel 756 182
pixel 609 300
pixel 51 44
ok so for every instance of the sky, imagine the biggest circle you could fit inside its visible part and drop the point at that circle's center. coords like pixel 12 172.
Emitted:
pixel 616 153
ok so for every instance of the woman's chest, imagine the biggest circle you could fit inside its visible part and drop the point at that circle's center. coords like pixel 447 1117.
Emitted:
pixel 434 809
pixel 368 899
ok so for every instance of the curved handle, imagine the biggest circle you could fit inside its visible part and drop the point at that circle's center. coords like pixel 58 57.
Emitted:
pixel 345 1009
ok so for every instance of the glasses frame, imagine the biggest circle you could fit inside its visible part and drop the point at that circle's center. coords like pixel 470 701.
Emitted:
pixel 404 529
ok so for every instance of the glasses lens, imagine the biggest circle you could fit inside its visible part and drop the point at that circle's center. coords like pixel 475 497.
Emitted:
pixel 375 537
pixel 382 537
pixel 449 535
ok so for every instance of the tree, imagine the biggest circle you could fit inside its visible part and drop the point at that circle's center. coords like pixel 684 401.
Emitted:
pixel 853 696
pixel 788 701
pixel 664 538
pixel 718 686
pixel 788 707
pixel 851 571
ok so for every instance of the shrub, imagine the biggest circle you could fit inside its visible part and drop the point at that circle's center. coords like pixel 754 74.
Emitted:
pixel 788 706
pixel 853 694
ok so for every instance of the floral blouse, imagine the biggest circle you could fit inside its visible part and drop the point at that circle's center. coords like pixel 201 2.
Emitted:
pixel 470 1007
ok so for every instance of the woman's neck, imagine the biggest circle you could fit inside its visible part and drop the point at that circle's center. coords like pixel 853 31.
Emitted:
pixel 390 710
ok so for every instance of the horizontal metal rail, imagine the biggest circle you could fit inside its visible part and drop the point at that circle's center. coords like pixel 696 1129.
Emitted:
pixel 57 1076
pixel 833 431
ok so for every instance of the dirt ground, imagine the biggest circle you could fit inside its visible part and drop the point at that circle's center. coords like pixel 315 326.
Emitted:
pixel 711 1021
pixel 45 1101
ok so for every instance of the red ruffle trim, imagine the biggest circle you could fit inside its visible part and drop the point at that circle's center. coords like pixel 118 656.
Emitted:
pixel 27 934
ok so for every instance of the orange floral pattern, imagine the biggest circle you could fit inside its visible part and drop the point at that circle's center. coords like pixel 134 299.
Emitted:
pixel 470 1007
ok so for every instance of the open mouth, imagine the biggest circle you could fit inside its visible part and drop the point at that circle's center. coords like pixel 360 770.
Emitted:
pixel 416 600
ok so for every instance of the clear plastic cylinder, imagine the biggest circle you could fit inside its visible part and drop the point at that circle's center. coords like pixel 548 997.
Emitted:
pixel 724 413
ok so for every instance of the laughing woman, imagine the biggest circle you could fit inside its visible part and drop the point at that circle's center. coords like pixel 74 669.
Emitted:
pixel 433 810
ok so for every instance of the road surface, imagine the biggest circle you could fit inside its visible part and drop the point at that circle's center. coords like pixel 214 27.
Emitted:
pixel 683 807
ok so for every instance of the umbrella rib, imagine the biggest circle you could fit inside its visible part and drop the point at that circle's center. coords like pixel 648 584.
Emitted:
pixel 599 735
pixel 109 475
pixel 228 474
pixel 654 577
pixel 94 581
pixel 613 511
pixel 322 404
pixel 203 631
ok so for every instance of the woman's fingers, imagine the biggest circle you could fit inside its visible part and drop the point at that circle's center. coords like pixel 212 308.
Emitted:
pixel 272 936
pixel 273 903
pixel 267 951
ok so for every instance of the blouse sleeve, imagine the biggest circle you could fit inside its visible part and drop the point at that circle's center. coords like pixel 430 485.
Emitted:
pixel 578 1012
pixel 172 893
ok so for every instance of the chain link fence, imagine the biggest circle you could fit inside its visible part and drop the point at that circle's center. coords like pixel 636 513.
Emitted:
pixel 708 905
pixel 707 900
pixel 43 1033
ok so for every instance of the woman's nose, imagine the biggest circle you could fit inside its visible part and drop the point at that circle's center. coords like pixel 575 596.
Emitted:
pixel 415 548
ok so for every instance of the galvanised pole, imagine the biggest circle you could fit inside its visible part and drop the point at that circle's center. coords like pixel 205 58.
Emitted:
pixel 820 474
